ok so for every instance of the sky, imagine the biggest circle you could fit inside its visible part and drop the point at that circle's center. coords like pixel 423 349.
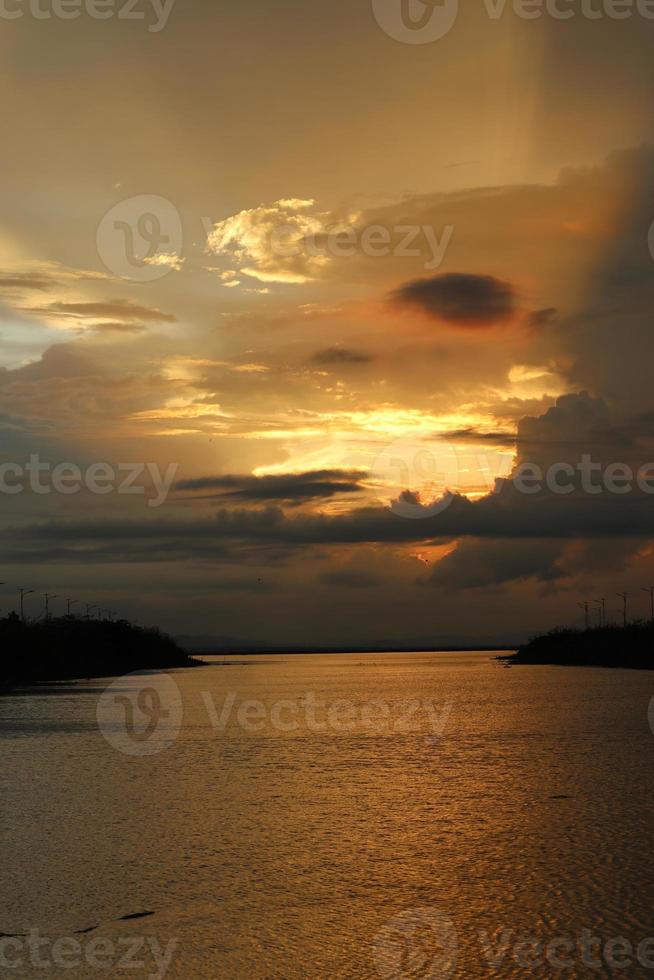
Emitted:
pixel 295 292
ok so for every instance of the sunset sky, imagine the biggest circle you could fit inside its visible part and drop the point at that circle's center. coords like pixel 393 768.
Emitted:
pixel 315 267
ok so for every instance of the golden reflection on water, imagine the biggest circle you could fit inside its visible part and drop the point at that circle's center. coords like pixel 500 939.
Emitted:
pixel 288 842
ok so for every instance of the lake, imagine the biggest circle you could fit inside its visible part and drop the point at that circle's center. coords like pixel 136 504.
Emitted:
pixel 356 815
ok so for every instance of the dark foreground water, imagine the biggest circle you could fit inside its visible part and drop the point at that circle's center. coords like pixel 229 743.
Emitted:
pixel 414 815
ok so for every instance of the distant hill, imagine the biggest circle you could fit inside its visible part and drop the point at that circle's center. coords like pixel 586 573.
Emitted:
pixel 225 645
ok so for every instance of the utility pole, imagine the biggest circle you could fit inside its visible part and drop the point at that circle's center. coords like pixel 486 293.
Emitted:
pixel 88 610
pixel 47 596
pixel 69 603
pixel 650 590
pixel 23 593
pixel 623 596
pixel 584 606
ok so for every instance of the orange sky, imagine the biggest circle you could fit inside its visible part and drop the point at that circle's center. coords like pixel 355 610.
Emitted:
pixel 210 241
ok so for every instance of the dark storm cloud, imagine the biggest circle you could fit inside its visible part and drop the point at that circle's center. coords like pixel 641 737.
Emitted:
pixel 460 298
pixel 580 423
pixel 341 356
pixel 480 563
pixel 545 517
pixel 284 487
pixel 476 564
pixel 471 434
pixel 509 514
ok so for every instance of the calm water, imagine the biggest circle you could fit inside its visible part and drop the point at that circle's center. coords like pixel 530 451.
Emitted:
pixel 394 835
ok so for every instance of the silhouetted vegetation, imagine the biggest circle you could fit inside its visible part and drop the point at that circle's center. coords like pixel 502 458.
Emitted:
pixel 630 646
pixel 69 648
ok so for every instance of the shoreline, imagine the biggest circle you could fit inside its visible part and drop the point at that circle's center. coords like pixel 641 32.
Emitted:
pixel 70 649
pixel 628 647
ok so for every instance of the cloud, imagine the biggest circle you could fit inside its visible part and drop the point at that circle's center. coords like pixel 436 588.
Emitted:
pixel 460 298
pixel 268 242
pixel 169 260
pixel 21 279
pixel 73 384
pixel 118 327
pixel 122 310
pixel 470 434
pixel 577 423
pixel 288 487
pixel 25 281
pixel 341 356
pixel 476 564
pixel 507 518
pixel 555 519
